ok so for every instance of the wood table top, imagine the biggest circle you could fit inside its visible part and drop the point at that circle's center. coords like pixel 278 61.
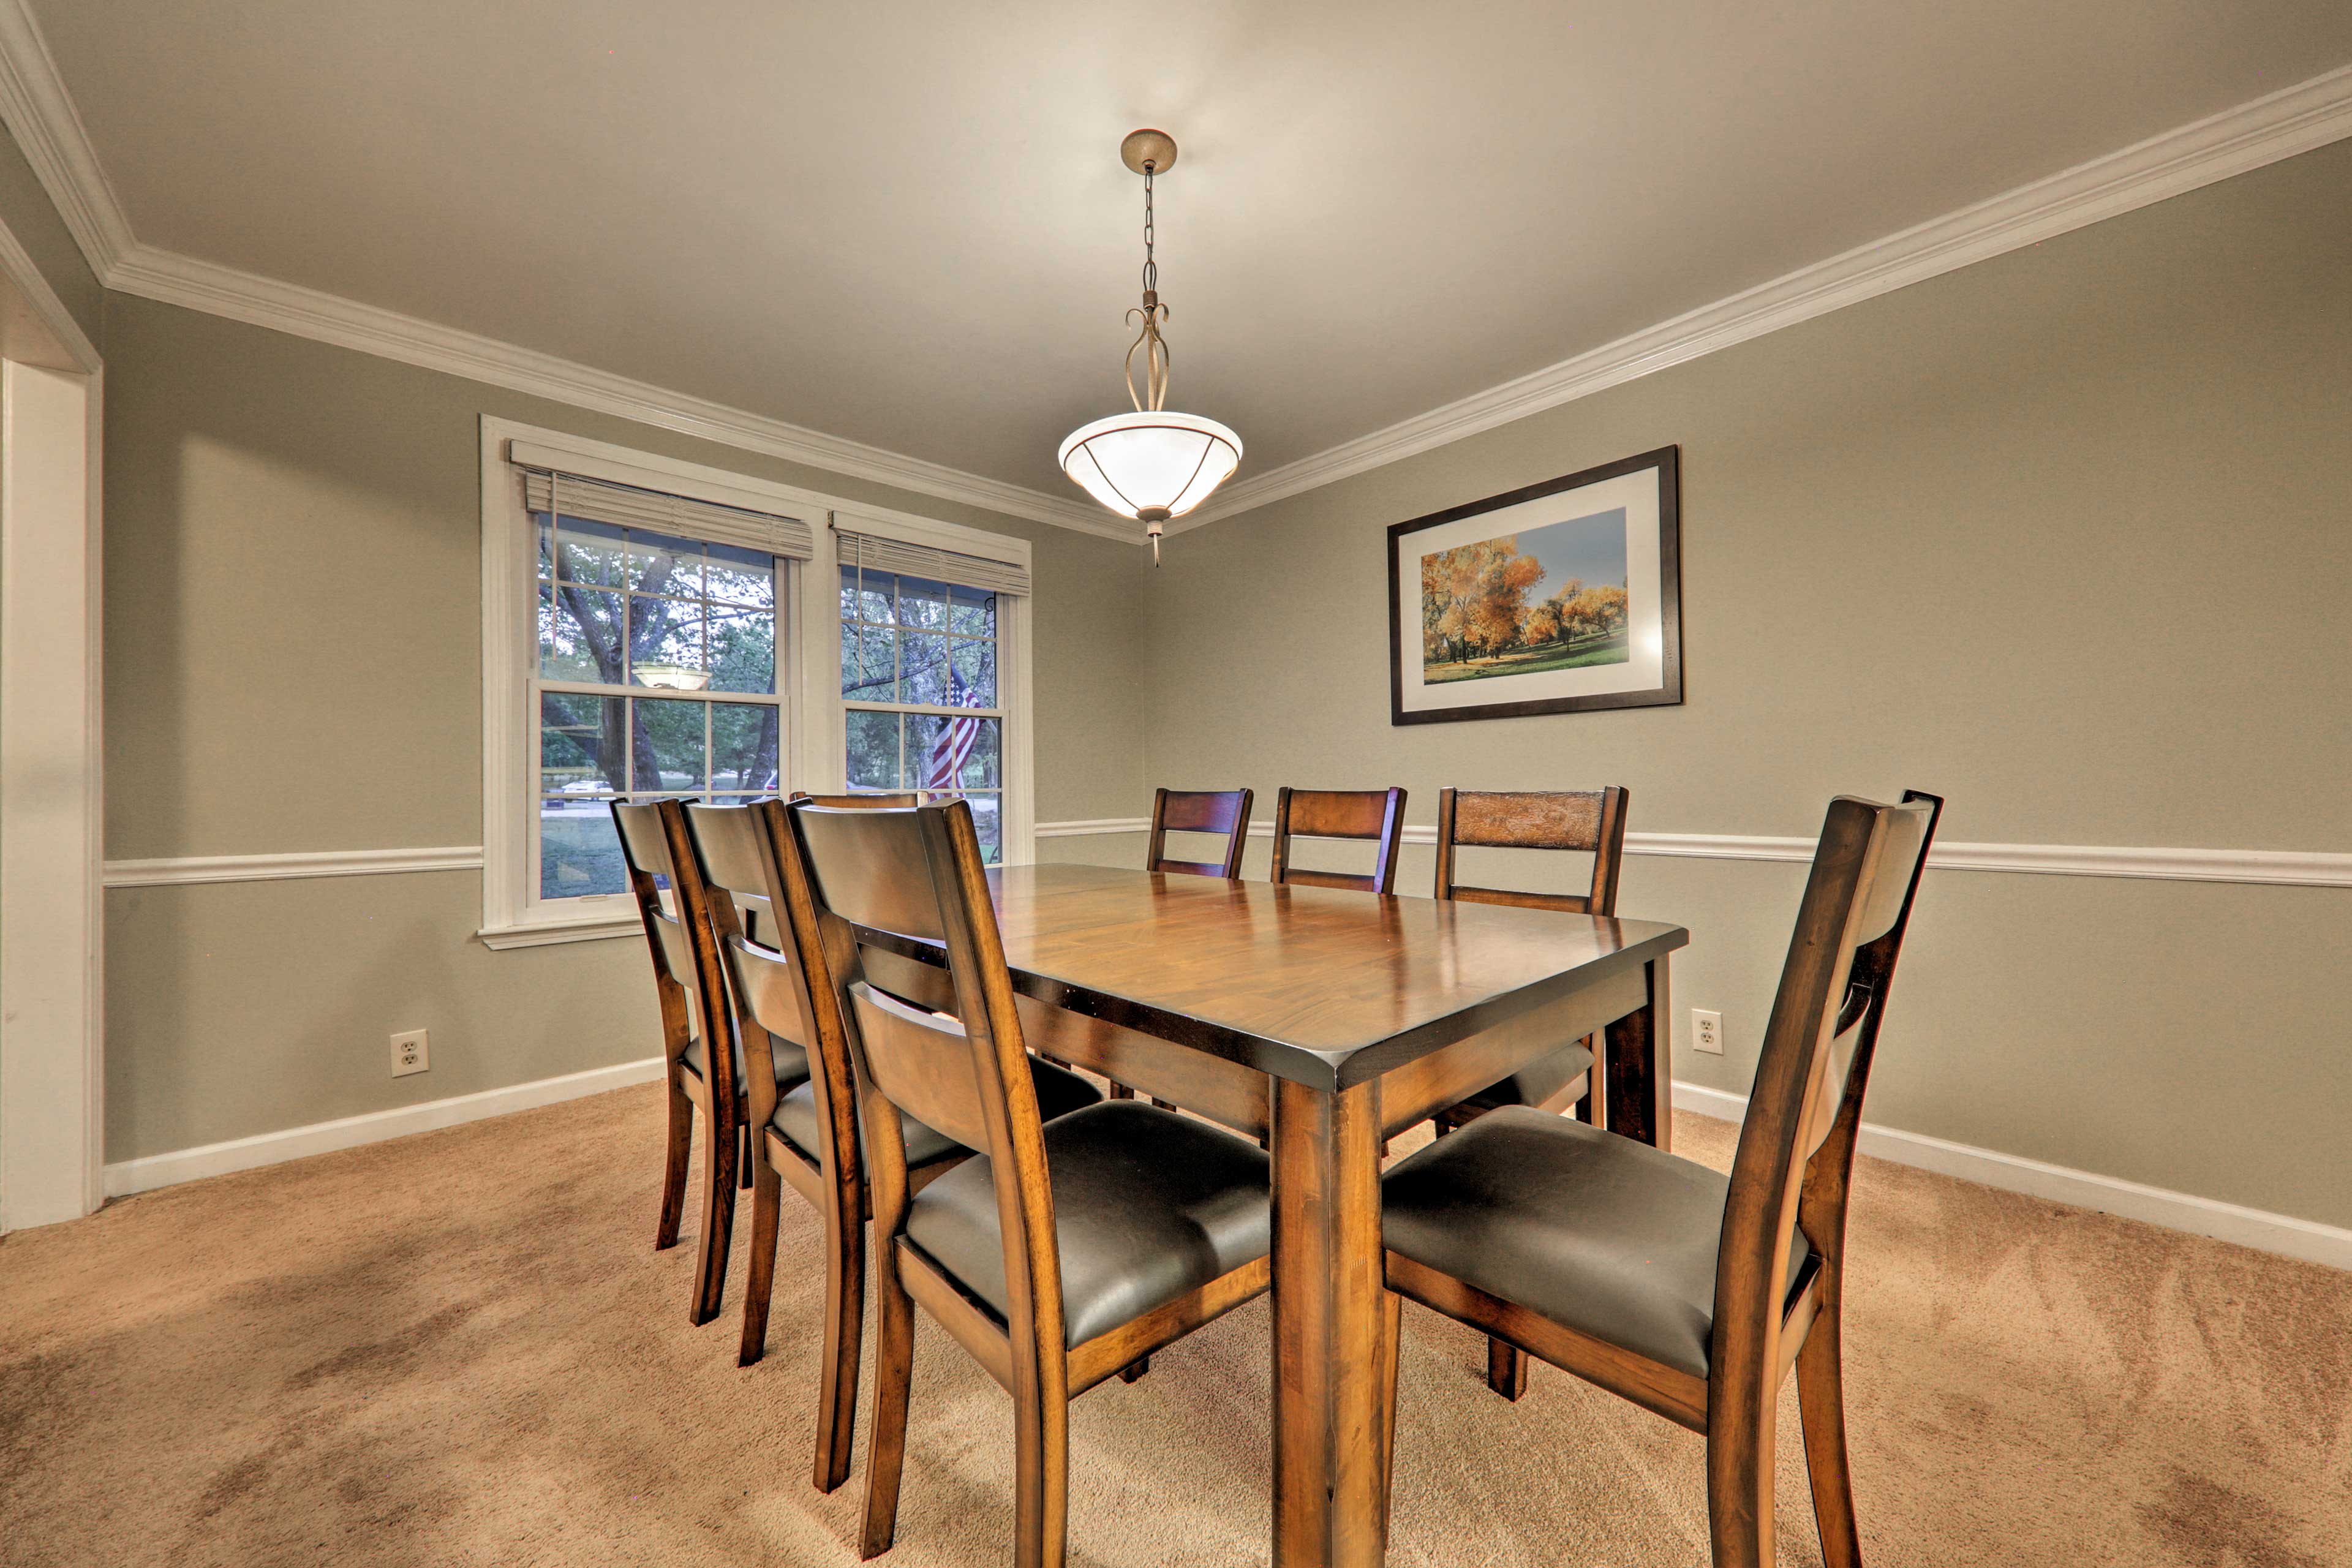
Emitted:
pixel 1322 986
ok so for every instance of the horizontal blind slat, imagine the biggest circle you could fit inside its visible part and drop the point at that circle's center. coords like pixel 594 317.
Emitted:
pixel 892 556
pixel 625 507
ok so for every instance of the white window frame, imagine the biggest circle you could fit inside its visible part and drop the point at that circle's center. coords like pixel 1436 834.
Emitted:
pixel 815 755
pixel 1016 776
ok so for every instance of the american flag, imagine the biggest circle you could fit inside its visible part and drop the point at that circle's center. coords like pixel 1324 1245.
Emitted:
pixel 944 768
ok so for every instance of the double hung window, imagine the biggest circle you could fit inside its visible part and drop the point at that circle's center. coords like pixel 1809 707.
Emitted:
pixel 653 627
pixel 919 684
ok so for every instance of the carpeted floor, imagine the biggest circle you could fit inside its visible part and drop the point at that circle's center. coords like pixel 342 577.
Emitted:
pixel 460 1348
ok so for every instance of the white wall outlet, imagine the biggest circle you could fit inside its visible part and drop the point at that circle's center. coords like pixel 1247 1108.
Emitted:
pixel 1707 1031
pixel 409 1054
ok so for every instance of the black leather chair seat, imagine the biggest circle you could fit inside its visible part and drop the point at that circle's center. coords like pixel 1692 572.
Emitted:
pixel 1598 1233
pixel 1147 1207
pixel 1059 1092
pixel 1539 1080
pixel 792 1062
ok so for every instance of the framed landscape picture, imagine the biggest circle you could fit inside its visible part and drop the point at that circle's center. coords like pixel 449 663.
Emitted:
pixel 1560 597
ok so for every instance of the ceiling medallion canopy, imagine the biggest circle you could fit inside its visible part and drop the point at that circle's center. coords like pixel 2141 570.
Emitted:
pixel 1150 464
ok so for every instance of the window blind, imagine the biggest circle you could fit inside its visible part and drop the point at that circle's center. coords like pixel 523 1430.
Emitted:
pixel 597 500
pixel 873 553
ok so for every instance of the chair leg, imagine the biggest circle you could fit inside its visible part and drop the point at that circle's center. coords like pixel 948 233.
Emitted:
pixel 1820 1402
pixel 767 1199
pixel 886 1430
pixel 1133 1371
pixel 1740 1484
pixel 1041 1470
pixel 718 1224
pixel 679 1155
pixel 1507 1368
pixel 845 1323
pixel 1585 1102
pixel 1391 1350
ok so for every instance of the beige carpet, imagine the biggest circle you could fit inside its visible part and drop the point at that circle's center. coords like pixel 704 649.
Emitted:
pixel 460 1349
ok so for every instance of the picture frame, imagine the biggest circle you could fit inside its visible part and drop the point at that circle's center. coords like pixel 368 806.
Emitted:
pixel 1561 597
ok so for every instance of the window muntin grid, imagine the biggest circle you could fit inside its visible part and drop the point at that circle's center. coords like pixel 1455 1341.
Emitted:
pixel 921 687
pixel 655 675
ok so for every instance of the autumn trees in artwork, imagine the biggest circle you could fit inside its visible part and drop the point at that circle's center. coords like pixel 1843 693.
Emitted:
pixel 1478 603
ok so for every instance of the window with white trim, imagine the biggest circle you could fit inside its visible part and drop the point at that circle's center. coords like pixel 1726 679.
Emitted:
pixel 657 677
pixel 920 690
pixel 657 627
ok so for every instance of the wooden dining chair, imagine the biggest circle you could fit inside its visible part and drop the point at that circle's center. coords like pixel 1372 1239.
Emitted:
pixel 1587 821
pixel 1374 814
pixel 1072 1246
pixel 653 845
pixel 1688 1292
pixel 1199 811
pixel 777 1006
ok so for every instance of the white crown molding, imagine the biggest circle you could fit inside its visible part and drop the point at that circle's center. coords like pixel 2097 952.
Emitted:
pixel 2270 868
pixel 128 1176
pixel 219 291
pixel 2285 1233
pixel 2234 142
pixel 34 106
pixel 187 870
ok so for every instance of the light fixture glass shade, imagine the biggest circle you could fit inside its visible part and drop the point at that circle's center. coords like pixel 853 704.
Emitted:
pixel 1151 464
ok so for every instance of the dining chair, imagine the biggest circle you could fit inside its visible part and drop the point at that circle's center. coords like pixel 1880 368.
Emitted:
pixel 1195 811
pixel 1199 811
pixel 653 845
pixel 1587 821
pixel 1660 1279
pixel 1374 814
pixel 1069 1248
pixel 776 1002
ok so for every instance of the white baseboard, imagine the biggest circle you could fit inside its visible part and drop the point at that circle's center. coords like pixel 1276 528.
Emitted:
pixel 2283 1234
pixel 2258 1228
pixel 350 1131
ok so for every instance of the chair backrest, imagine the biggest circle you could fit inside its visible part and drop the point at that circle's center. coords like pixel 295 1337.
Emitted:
pixel 1199 811
pixel 1795 1159
pixel 1374 814
pixel 744 857
pixel 1588 820
pixel 755 910
pixel 918 874
pixel 649 850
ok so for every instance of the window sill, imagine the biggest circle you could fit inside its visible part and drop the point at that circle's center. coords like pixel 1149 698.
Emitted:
pixel 546 933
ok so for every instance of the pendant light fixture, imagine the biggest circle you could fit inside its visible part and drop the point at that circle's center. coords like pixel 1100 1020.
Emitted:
pixel 1150 465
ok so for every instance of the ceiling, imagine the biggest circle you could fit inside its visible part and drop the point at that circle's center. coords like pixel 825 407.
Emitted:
pixel 907 225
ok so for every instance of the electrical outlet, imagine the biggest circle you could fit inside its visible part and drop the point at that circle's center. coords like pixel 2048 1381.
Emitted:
pixel 1707 1031
pixel 409 1054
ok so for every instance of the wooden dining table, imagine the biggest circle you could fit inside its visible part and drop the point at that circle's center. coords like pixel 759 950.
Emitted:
pixel 1324 1021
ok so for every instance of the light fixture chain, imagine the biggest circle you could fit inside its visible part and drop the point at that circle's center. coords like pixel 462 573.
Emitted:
pixel 1150 266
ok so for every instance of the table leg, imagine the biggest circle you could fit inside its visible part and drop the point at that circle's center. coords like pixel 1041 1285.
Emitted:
pixel 1329 1326
pixel 1641 1075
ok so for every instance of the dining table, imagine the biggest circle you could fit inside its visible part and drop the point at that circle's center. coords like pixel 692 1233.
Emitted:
pixel 1322 1022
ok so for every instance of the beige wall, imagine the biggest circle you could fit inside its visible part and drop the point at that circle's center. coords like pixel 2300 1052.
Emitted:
pixel 293 663
pixel 2064 536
